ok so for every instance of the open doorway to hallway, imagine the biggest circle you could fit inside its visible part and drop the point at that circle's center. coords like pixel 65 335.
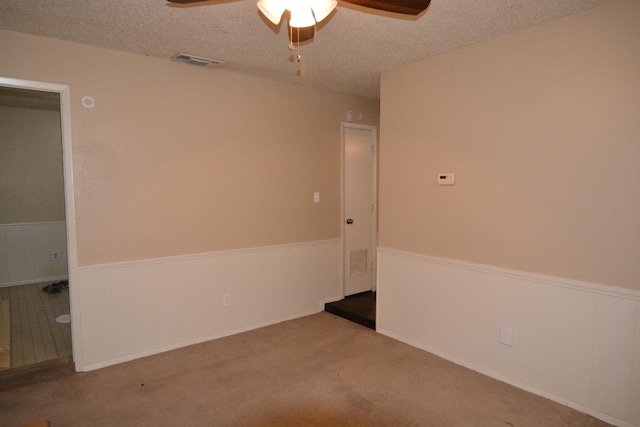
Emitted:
pixel 34 324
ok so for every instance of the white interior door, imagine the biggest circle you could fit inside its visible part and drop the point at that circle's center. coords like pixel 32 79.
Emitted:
pixel 359 213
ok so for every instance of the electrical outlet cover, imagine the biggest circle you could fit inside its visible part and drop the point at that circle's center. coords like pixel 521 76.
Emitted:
pixel 506 335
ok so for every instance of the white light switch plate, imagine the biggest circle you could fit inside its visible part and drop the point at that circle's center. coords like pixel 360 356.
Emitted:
pixel 316 197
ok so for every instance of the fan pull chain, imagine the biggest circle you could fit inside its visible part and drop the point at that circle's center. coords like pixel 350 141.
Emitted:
pixel 298 57
pixel 293 45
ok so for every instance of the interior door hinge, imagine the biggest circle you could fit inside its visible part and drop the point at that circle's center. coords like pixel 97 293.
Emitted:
pixel 372 149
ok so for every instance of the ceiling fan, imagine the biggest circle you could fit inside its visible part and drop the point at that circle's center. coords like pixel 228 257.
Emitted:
pixel 302 15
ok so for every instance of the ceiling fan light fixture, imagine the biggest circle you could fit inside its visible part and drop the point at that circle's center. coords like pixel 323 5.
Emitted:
pixel 301 15
pixel 272 9
pixel 304 13
pixel 322 8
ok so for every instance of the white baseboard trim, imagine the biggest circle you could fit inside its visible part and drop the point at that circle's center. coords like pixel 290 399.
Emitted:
pixel 31 281
pixel 558 399
pixel 200 340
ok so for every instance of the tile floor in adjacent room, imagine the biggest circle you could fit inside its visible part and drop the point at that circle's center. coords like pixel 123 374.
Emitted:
pixel 35 335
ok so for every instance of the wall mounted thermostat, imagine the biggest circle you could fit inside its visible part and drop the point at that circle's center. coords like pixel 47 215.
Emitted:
pixel 446 178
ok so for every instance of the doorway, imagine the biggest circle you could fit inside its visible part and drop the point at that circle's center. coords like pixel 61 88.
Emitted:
pixel 359 207
pixel 49 245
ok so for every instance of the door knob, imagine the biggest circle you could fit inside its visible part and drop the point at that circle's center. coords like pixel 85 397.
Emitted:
pixel 349 221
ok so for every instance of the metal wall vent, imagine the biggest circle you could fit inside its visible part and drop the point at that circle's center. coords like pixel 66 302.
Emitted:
pixel 194 60
pixel 357 262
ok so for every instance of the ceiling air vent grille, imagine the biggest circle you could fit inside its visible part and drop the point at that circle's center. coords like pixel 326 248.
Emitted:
pixel 194 60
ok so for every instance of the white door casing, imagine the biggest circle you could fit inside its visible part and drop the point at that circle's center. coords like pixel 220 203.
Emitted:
pixel 359 207
pixel 70 212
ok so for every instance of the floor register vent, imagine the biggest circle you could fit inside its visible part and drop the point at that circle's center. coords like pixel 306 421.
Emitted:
pixel 194 60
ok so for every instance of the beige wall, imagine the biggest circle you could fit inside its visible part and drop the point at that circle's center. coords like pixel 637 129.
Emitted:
pixel 175 159
pixel 31 185
pixel 542 128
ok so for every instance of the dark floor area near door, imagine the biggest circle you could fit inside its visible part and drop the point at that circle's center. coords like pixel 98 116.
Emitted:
pixel 359 308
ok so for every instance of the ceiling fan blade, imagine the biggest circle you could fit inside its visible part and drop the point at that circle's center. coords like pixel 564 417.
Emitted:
pixel 406 7
pixel 298 35
pixel 186 1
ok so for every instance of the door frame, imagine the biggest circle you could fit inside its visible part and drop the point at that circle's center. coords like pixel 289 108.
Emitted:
pixel 374 190
pixel 69 199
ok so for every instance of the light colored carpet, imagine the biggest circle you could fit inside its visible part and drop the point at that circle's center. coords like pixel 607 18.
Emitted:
pixel 319 370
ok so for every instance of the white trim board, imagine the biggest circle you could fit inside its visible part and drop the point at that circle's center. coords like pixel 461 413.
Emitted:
pixel 575 343
pixel 32 281
pixel 200 340
pixel 26 252
pixel 213 254
pixel 138 308
pixel 521 275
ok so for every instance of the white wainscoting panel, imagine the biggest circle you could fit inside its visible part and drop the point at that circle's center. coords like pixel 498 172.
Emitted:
pixel 26 252
pixel 134 309
pixel 573 342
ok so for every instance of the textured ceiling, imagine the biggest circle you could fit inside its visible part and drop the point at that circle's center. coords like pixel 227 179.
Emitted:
pixel 349 50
